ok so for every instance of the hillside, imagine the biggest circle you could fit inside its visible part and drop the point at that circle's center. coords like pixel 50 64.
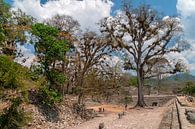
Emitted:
pixel 182 77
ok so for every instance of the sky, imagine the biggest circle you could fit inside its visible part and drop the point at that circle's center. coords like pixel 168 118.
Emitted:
pixel 88 12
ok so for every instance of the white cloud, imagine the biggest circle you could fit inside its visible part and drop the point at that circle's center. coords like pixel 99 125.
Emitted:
pixel 87 12
pixel 186 10
pixel 26 56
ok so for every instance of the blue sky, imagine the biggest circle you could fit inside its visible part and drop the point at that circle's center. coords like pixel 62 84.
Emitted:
pixel 167 7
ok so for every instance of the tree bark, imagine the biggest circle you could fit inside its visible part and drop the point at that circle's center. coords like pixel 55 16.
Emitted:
pixel 80 84
pixel 140 80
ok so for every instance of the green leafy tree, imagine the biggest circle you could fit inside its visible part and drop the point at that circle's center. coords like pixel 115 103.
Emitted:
pixel 51 51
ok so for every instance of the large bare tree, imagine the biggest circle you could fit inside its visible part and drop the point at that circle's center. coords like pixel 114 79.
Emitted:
pixel 91 51
pixel 142 35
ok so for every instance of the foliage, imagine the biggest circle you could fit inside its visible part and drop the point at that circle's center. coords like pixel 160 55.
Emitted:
pixel 133 81
pixel 11 73
pixel 4 15
pixel 57 77
pixel 51 50
pixel 13 28
pixel 14 117
pixel 189 89
pixel 49 96
pixel 49 47
pixel 35 72
pixel 13 78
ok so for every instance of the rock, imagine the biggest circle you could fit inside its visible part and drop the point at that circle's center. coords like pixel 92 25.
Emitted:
pixel 190 99
pixel 66 117
pixel 190 115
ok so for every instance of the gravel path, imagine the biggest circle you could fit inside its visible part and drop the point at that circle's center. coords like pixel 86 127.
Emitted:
pixel 134 119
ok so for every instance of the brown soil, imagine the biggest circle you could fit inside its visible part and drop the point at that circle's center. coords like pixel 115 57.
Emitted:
pixel 133 119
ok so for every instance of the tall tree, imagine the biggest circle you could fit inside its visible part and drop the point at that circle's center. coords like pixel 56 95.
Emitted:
pixel 91 50
pixel 50 50
pixel 142 35
pixel 68 28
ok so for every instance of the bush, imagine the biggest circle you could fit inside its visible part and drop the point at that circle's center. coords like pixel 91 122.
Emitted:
pixel 14 117
pixel 56 77
pixel 189 89
pixel 9 73
pixel 49 96
pixel 35 72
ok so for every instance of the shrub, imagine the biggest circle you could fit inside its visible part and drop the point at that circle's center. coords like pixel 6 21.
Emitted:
pixel 49 96
pixel 9 73
pixel 14 117
pixel 56 77
pixel 189 89
pixel 36 71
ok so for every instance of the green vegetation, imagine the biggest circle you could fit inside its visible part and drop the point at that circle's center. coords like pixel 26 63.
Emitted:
pixel 14 117
pixel 189 89
pixel 49 96
pixel 10 73
pixel 13 78
pixel 133 81
pixel 51 50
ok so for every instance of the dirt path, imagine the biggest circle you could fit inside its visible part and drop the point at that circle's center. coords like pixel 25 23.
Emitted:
pixel 134 119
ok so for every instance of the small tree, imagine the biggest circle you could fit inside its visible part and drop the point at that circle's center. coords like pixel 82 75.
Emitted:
pixel 50 50
pixel 142 35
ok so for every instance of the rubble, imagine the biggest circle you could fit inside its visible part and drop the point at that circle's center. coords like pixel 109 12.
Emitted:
pixel 44 118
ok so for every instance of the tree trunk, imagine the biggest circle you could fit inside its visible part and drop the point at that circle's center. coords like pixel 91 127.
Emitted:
pixel 80 84
pixel 140 81
pixel 80 98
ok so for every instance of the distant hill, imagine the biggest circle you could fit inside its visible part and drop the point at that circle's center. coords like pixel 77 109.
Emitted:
pixel 182 77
